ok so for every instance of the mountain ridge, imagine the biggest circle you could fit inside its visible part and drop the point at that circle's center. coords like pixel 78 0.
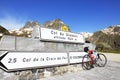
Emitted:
pixel 107 39
pixel 27 29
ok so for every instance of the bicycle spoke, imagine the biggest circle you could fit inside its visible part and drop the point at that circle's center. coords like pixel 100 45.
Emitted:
pixel 101 60
pixel 86 62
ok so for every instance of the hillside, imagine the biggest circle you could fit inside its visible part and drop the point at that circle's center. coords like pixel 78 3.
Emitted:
pixel 107 39
pixel 3 31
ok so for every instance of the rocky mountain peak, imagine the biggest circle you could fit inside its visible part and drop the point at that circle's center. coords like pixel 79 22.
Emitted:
pixel 112 30
pixel 55 24
pixel 31 24
pixel 86 34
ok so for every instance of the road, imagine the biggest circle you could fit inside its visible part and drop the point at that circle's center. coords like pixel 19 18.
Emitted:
pixel 110 72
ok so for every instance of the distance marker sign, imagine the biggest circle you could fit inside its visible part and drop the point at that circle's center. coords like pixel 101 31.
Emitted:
pixel 12 61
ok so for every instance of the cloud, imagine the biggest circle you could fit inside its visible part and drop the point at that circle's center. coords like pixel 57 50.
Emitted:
pixel 12 22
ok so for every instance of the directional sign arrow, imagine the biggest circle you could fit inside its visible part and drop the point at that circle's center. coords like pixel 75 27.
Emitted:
pixel 1 64
pixel 14 61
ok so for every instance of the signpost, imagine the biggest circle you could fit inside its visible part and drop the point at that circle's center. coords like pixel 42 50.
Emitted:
pixel 14 61
pixel 60 36
pixel 27 60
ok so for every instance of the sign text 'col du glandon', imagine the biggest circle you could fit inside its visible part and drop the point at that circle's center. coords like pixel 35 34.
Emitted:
pixel 60 36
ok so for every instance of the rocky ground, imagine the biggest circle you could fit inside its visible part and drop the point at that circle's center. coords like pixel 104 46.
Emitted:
pixel 110 72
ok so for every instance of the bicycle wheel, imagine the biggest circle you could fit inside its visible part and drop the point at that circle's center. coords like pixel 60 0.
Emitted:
pixel 101 60
pixel 86 62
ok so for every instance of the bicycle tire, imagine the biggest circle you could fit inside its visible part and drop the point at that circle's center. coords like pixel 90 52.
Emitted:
pixel 101 60
pixel 86 62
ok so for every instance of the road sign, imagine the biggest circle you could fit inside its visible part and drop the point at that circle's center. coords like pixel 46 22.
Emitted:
pixel 12 61
pixel 60 36
pixel 76 57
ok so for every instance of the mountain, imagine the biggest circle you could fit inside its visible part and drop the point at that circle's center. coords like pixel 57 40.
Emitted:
pixel 56 24
pixel 3 31
pixel 112 30
pixel 86 34
pixel 26 30
pixel 30 24
pixel 107 39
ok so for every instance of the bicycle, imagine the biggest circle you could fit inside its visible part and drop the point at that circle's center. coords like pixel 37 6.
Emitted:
pixel 100 61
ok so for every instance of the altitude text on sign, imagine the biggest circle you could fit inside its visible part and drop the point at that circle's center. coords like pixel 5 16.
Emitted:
pixel 61 36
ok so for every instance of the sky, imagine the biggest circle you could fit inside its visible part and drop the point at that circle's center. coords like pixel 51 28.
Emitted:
pixel 80 15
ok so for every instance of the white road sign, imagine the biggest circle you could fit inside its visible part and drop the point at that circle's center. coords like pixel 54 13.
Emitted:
pixel 27 60
pixel 76 57
pixel 14 61
pixel 61 36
